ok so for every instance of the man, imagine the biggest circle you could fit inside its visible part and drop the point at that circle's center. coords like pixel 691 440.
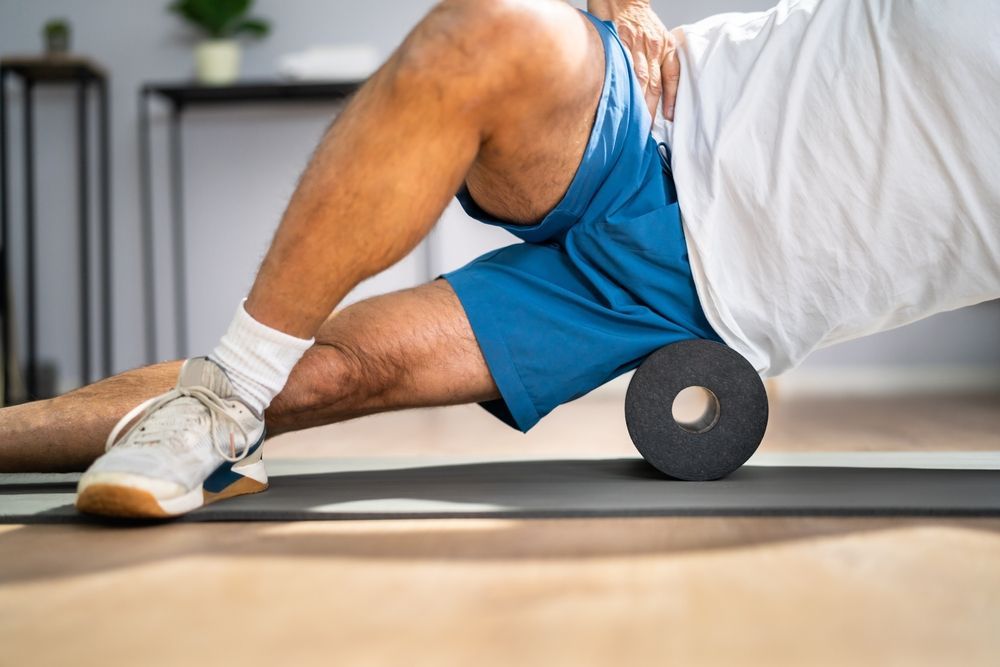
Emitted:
pixel 834 161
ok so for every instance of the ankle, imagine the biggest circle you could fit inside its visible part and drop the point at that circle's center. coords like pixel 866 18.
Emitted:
pixel 257 358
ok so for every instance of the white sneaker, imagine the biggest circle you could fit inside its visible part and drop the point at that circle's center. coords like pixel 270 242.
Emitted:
pixel 196 444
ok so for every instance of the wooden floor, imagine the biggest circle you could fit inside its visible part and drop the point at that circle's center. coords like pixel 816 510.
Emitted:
pixel 554 592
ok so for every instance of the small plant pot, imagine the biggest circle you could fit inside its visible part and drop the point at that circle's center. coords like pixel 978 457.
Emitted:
pixel 217 61
pixel 56 33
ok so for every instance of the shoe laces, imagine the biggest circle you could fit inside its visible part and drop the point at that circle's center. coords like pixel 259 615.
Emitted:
pixel 217 409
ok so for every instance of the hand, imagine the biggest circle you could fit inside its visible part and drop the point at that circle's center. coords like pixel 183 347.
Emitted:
pixel 653 48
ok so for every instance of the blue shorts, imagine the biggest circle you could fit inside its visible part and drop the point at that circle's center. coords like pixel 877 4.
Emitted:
pixel 601 282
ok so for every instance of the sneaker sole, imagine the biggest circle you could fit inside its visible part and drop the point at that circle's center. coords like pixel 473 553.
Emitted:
pixel 128 502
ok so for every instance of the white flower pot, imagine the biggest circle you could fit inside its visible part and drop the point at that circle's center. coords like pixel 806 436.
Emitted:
pixel 217 61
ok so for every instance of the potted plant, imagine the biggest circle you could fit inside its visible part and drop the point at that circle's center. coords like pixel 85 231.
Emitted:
pixel 56 33
pixel 221 22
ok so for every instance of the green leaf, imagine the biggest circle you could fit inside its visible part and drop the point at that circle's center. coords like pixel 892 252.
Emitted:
pixel 185 10
pixel 253 27
pixel 218 18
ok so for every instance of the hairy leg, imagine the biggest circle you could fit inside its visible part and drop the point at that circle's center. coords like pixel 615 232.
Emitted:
pixel 481 88
pixel 412 348
pixel 541 79
pixel 408 349
pixel 67 433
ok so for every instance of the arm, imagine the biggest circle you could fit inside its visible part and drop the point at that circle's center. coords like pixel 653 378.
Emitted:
pixel 653 48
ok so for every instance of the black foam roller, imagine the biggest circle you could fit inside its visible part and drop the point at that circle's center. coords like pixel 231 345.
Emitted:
pixel 727 437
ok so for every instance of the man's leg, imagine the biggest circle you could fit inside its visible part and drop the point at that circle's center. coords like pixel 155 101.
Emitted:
pixel 412 348
pixel 498 92
pixel 479 88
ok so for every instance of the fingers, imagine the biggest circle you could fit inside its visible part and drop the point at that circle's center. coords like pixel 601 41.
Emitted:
pixel 654 56
pixel 653 87
pixel 670 76
pixel 649 79
pixel 649 74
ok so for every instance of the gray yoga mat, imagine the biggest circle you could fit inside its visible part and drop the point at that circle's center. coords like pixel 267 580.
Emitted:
pixel 862 484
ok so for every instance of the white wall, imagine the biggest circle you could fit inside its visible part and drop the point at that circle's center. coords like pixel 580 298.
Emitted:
pixel 241 166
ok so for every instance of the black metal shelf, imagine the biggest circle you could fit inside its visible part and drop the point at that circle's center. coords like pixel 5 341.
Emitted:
pixel 84 74
pixel 184 93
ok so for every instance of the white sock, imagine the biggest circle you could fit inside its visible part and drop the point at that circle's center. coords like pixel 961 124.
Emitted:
pixel 257 358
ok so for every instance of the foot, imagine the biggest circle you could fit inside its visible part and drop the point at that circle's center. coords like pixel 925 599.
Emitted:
pixel 196 444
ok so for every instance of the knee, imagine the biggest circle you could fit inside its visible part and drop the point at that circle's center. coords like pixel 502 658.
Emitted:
pixel 331 376
pixel 477 43
pixel 316 381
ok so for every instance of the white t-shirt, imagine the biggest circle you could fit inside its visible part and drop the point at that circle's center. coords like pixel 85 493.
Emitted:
pixel 838 168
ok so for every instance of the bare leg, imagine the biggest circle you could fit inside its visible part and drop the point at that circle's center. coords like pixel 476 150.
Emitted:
pixel 529 78
pixel 67 433
pixel 407 349
pixel 412 348
pixel 476 79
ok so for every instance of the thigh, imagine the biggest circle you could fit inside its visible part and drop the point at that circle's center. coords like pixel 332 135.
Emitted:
pixel 528 160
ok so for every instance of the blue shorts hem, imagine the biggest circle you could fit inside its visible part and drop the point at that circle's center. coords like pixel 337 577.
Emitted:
pixel 515 407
